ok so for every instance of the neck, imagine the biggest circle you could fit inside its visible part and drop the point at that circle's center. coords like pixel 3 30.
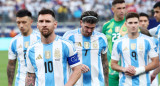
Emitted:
pixel 118 19
pixel 49 39
pixel 28 33
pixel 133 35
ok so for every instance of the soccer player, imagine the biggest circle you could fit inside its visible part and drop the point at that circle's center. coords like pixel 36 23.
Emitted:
pixel 92 49
pixel 143 23
pixel 18 47
pixel 114 29
pixel 49 59
pixel 134 50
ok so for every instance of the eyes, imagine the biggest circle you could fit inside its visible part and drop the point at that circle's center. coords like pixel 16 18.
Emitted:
pixel 132 22
pixel 23 22
pixel 42 21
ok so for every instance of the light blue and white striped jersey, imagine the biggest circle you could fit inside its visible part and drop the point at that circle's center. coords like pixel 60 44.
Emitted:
pixel 17 50
pixel 89 51
pixel 135 52
pixel 51 62
pixel 155 32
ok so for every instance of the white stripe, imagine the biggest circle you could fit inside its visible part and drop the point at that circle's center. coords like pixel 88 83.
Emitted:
pixel 57 65
pixel 40 65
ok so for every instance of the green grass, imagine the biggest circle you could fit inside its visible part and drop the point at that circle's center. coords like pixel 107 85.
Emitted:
pixel 3 68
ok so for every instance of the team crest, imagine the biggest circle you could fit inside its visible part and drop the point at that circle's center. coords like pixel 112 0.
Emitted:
pixel 26 44
pixel 95 45
pixel 47 54
pixel 117 29
pixel 57 54
pixel 86 45
pixel 133 46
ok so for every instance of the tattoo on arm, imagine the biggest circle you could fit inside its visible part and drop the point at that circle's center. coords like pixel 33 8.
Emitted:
pixel 30 79
pixel 105 68
pixel 10 71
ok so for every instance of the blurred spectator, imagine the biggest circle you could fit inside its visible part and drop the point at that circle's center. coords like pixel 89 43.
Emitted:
pixel 12 33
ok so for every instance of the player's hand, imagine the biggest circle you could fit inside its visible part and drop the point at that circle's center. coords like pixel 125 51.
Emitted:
pixel 84 68
pixel 153 76
pixel 130 70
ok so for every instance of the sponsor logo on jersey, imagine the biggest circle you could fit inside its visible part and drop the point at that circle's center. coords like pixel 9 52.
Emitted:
pixel 20 46
pixel 125 49
pixel 79 44
pixel 47 54
pixel 39 57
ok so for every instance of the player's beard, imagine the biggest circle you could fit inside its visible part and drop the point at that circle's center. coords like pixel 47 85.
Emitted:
pixel 46 34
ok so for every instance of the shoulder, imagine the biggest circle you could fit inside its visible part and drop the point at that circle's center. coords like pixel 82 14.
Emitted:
pixel 16 37
pixel 70 33
pixel 36 33
pixel 63 40
pixel 99 35
pixel 36 44
pixel 108 22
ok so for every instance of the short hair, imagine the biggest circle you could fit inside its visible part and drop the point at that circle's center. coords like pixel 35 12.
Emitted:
pixel 132 15
pixel 23 12
pixel 46 11
pixel 89 17
pixel 144 14
pixel 117 2
pixel 157 5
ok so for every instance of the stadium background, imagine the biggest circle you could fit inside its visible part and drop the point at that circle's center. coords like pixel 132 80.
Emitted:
pixel 67 14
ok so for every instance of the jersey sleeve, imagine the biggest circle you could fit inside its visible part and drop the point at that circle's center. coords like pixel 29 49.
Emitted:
pixel 12 50
pixel 115 52
pixel 73 59
pixel 152 53
pixel 154 32
pixel 104 44
pixel 30 67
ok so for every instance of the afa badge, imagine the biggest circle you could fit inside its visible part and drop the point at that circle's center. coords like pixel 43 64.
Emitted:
pixel 95 45
pixel 47 54
pixel 86 45
pixel 26 44
pixel 133 46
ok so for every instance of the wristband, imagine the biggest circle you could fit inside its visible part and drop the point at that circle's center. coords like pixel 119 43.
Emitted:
pixel 140 70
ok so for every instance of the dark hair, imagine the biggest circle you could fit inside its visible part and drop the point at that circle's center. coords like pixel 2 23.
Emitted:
pixel 23 12
pixel 117 2
pixel 89 17
pixel 156 5
pixel 132 15
pixel 144 14
pixel 46 11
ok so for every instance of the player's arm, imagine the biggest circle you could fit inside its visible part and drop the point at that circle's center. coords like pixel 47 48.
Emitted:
pixel 105 67
pixel 30 79
pixel 155 72
pixel 145 31
pixel 10 71
pixel 74 76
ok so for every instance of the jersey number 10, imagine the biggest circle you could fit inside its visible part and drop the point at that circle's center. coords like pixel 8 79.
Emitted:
pixel 48 66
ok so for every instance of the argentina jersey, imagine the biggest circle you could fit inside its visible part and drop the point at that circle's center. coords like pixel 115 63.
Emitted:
pixel 89 51
pixel 17 50
pixel 51 63
pixel 134 52
pixel 155 32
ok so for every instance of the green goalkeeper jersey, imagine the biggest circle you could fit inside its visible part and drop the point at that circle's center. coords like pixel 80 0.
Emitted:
pixel 113 30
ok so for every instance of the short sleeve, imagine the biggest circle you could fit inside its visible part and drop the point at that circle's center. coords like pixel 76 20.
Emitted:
pixel 152 53
pixel 115 51
pixel 12 50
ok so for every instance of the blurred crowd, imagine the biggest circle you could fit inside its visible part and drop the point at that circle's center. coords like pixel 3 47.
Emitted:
pixel 70 10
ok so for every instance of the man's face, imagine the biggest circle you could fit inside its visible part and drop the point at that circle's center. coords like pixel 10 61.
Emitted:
pixel 87 28
pixel 119 10
pixel 46 24
pixel 157 14
pixel 132 25
pixel 143 22
pixel 24 24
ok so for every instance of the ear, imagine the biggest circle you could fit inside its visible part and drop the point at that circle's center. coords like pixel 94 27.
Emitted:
pixel 112 8
pixel 81 22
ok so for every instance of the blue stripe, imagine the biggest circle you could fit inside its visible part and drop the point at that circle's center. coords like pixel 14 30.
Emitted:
pixel 119 50
pixel 65 54
pixel 72 38
pixel 18 77
pixel 48 63
pixel 87 61
pixel 134 59
pixel 25 39
pixel 14 47
pixel 147 48
pixel 157 30
pixel 33 62
pixel 102 45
